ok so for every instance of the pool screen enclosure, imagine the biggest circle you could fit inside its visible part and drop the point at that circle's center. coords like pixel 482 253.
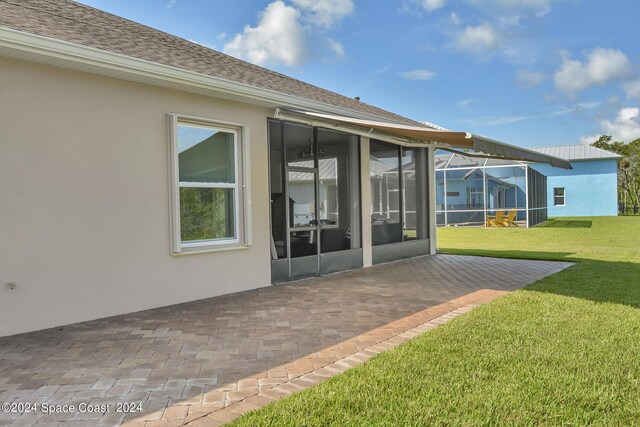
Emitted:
pixel 468 189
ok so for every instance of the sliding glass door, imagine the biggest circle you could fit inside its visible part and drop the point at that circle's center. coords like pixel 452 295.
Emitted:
pixel 315 201
pixel 399 202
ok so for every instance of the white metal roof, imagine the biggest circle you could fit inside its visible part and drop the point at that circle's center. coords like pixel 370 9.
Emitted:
pixel 327 168
pixel 577 152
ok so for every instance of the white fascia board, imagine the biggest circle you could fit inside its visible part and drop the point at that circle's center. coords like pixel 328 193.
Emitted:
pixel 46 50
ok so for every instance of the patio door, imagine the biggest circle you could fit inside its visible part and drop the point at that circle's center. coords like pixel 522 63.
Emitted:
pixel 304 231
pixel 315 201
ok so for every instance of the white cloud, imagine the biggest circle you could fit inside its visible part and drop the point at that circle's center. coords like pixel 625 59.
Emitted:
pixel 480 39
pixel 538 7
pixel 492 28
pixel 497 121
pixel 633 89
pixel 578 108
pixel 533 4
pixel 454 19
pixel 418 75
pixel 337 48
pixel 509 20
pixel 561 111
pixel 530 78
pixel 588 105
pixel 381 70
pixel 600 66
pixel 625 127
pixel 171 4
pixel 431 5
pixel 325 13
pixel 278 38
pixel 465 103
pixel 589 139
pixel 507 120
pixel 290 34
pixel 416 6
pixel 520 55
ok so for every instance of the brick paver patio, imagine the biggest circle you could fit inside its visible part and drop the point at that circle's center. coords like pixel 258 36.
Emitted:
pixel 208 361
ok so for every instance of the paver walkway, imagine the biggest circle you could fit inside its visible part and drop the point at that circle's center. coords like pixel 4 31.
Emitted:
pixel 208 361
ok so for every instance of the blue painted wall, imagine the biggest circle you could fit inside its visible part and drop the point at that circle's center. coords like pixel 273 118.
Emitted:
pixel 590 188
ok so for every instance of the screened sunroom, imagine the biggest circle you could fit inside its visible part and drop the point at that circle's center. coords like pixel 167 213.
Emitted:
pixel 468 189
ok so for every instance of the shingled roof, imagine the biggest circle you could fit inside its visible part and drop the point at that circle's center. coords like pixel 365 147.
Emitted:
pixel 83 25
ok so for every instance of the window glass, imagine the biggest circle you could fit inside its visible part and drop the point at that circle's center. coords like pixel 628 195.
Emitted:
pixel 298 141
pixel 558 196
pixel 329 186
pixel 315 183
pixel 206 213
pixel 440 193
pixel 302 195
pixel 279 204
pixel 413 187
pixel 398 193
pixel 207 158
pixel 385 193
pixel 339 190
pixel 205 154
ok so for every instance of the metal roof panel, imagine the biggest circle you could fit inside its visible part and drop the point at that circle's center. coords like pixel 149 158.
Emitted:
pixel 577 152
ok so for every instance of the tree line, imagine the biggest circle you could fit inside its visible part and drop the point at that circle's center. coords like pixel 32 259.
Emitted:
pixel 628 171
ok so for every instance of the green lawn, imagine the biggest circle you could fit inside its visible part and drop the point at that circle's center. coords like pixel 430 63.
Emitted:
pixel 563 351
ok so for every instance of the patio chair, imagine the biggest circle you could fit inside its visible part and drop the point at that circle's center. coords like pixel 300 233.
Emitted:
pixel 510 219
pixel 495 220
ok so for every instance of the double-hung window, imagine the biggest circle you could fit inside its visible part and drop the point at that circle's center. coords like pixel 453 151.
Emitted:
pixel 558 196
pixel 207 190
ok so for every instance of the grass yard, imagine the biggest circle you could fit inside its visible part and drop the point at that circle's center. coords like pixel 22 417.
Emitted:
pixel 563 351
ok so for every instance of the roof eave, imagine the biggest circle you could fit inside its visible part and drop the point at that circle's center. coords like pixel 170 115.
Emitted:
pixel 595 158
pixel 51 51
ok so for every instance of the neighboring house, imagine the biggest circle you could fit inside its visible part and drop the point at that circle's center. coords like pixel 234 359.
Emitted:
pixel 589 189
pixel 470 188
pixel 535 190
pixel 139 170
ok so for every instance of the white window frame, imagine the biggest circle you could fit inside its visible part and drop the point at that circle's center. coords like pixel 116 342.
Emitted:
pixel 242 200
pixel 564 196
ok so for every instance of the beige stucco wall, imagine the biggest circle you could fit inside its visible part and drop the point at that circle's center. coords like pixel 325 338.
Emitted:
pixel 84 199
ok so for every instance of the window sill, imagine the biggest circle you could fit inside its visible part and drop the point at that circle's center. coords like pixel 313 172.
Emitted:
pixel 204 250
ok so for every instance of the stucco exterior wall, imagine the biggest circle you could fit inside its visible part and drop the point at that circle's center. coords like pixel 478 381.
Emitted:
pixel 84 217
pixel 590 188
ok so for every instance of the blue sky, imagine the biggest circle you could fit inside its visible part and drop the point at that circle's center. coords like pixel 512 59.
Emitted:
pixel 527 72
